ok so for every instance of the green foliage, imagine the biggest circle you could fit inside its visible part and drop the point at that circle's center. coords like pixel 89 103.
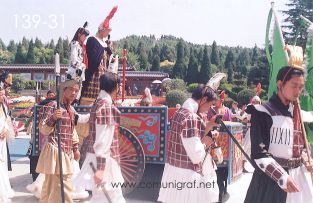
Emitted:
pixel 191 87
pixel 174 97
pixel 174 84
pixel 179 69
pixel 30 84
pixel 156 63
pixel 192 71
pixel 215 59
pixel 205 69
pixel 6 57
pixel 17 83
pixel 294 28
pixel 244 96
pixel 309 83
pixel 47 84
pixel 237 89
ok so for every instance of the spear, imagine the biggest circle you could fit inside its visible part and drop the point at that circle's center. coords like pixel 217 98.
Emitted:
pixel 57 82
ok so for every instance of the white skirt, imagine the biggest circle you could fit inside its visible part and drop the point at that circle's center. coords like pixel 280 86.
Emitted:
pixel 303 180
pixel 6 191
pixel 112 174
pixel 184 185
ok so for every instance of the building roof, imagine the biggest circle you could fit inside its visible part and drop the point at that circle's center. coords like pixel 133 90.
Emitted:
pixel 24 68
pixel 146 74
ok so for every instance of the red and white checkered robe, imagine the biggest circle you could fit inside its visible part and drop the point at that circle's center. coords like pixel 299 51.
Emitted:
pixel 101 148
pixel 47 163
pixel 103 113
pixel 184 124
pixel 66 127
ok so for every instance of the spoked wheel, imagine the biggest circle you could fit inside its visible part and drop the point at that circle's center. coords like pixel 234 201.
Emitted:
pixel 132 159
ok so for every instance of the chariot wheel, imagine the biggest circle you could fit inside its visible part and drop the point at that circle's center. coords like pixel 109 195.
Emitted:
pixel 132 159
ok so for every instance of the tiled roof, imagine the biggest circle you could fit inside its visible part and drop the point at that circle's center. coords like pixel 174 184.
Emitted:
pixel 31 66
pixel 152 74
pixel 40 67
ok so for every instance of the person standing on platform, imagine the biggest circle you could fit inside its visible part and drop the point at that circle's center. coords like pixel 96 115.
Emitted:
pixel 98 52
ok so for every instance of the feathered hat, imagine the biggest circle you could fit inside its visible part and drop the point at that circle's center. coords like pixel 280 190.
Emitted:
pixel 215 81
pixel 106 23
pixel 295 56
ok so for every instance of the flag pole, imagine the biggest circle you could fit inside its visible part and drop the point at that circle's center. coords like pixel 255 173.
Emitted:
pixel 124 69
pixel 306 143
pixel 57 82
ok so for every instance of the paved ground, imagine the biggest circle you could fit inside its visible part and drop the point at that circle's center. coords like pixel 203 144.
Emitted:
pixel 20 177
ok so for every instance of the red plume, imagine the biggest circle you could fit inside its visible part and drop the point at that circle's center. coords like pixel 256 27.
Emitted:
pixel 109 17
pixel 258 89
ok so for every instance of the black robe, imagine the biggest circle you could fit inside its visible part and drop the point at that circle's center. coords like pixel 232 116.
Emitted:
pixel 262 188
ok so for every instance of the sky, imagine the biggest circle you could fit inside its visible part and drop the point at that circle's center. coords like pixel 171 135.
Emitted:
pixel 228 22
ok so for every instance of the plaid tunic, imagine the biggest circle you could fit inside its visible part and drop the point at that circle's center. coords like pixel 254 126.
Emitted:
pixel 185 124
pixel 66 127
pixel 102 113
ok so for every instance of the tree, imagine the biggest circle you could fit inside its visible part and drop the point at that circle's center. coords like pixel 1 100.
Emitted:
pixel 12 47
pixel 214 54
pixel 156 63
pixel 229 63
pixel 25 43
pixel 255 55
pixel 179 68
pixel 143 61
pixel 66 50
pixel 2 45
pixel 51 45
pixel 165 53
pixel 38 43
pixel 294 29
pixel 205 69
pixel 192 71
pixel 17 83
pixel 6 57
pixel 20 56
pixel 59 49
pixel 30 57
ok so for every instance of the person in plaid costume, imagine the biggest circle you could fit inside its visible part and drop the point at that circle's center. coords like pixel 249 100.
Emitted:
pixel 277 145
pixel 48 163
pixel 186 157
pixel 98 52
pixel 101 146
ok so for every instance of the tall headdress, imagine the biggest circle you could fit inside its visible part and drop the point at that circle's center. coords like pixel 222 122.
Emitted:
pixel 106 23
pixel 295 56
pixel 215 81
pixel 83 30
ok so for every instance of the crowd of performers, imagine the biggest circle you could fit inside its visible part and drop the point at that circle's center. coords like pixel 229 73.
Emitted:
pixel 274 138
